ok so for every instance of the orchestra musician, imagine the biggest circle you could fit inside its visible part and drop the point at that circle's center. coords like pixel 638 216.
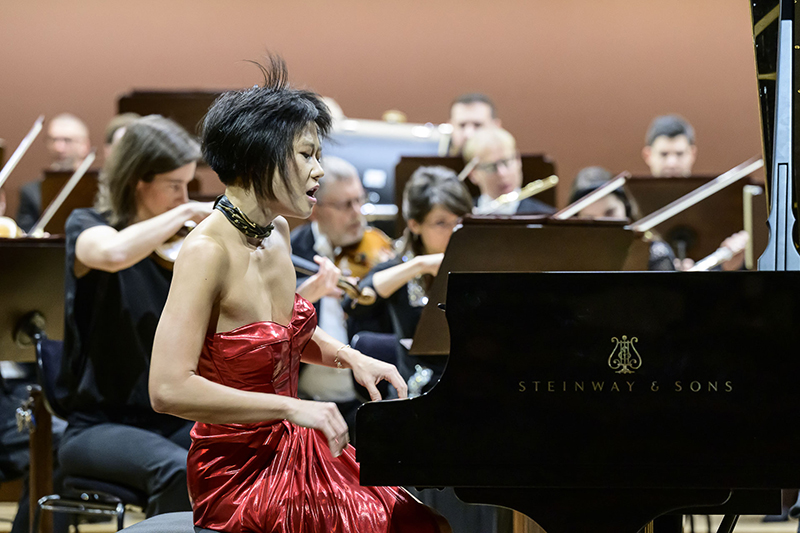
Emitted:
pixel 468 114
pixel 617 205
pixel 337 225
pixel 234 332
pixel 115 291
pixel 68 145
pixel 670 150
pixel 498 171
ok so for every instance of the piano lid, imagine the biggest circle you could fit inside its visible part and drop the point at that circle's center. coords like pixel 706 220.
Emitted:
pixel 766 15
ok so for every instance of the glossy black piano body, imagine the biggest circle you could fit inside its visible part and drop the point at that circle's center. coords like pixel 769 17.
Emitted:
pixel 536 396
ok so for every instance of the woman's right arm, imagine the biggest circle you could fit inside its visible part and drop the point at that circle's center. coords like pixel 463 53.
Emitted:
pixel 175 386
pixel 387 282
pixel 104 248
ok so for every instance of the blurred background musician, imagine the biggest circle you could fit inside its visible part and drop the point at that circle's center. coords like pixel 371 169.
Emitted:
pixel 670 150
pixel 498 171
pixel 433 202
pixel 68 145
pixel 468 114
pixel 337 224
pixel 115 292
pixel 616 205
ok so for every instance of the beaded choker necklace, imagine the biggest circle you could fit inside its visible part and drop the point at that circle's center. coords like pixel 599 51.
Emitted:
pixel 240 221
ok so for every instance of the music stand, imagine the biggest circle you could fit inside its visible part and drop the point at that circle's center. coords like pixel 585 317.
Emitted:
pixel 82 195
pixel 528 243
pixel 534 167
pixel 187 108
pixel 699 230
pixel 31 279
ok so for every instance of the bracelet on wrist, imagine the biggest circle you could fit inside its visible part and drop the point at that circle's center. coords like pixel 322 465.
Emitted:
pixel 336 356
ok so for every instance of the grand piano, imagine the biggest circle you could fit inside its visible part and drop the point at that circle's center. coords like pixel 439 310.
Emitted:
pixel 599 401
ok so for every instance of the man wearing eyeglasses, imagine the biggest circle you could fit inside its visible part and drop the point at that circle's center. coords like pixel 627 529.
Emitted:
pixel 498 171
pixel 68 145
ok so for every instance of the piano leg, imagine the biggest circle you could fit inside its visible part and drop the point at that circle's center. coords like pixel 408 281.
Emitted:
pixel 728 523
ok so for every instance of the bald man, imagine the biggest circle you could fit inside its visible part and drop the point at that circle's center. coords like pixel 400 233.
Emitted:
pixel 67 144
pixel 498 171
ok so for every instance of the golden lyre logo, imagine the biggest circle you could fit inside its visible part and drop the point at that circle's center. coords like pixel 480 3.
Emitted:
pixel 624 359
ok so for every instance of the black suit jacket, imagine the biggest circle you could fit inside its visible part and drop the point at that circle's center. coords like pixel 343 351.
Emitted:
pixel 303 246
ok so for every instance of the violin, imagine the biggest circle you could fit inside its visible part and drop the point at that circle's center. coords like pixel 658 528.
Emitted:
pixel 363 296
pixel 358 259
pixel 167 252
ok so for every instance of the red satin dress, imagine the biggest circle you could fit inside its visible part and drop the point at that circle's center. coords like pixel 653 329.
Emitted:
pixel 275 476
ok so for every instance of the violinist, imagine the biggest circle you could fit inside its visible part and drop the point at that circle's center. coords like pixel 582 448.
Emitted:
pixel 337 226
pixel 498 171
pixel 67 145
pixel 115 292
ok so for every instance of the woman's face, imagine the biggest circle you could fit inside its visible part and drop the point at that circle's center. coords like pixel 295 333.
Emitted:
pixel 304 169
pixel 436 229
pixel 608 207
pixel 166 191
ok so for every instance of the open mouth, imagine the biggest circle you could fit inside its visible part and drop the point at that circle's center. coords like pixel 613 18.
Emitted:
pixel 312 191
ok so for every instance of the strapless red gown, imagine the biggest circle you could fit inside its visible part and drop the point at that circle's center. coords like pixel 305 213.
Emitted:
pixel 276 476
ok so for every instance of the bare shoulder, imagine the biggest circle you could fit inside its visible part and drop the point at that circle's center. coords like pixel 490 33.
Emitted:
pixel 203 255
pixel 282 228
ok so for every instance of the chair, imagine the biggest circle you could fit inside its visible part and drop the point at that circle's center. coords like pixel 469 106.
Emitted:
pixel 81 496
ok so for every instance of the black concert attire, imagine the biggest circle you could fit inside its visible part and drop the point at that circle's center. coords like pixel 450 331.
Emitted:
pixel 400 313
pixel 30 205
pixel 113 432
pixel 661 256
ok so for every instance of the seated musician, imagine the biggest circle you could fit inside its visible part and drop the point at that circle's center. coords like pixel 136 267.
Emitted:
pixel 468 114
pixel 616 205
pixel 669 150
pixel 499 171
pixel 67 145
pixel 433 202
pixel 337 224
pixel 115 292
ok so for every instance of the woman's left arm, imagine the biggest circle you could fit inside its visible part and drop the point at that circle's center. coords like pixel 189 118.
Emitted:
pixel 324 350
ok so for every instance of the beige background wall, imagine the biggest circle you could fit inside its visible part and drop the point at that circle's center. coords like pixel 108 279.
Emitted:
pixel 578 79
